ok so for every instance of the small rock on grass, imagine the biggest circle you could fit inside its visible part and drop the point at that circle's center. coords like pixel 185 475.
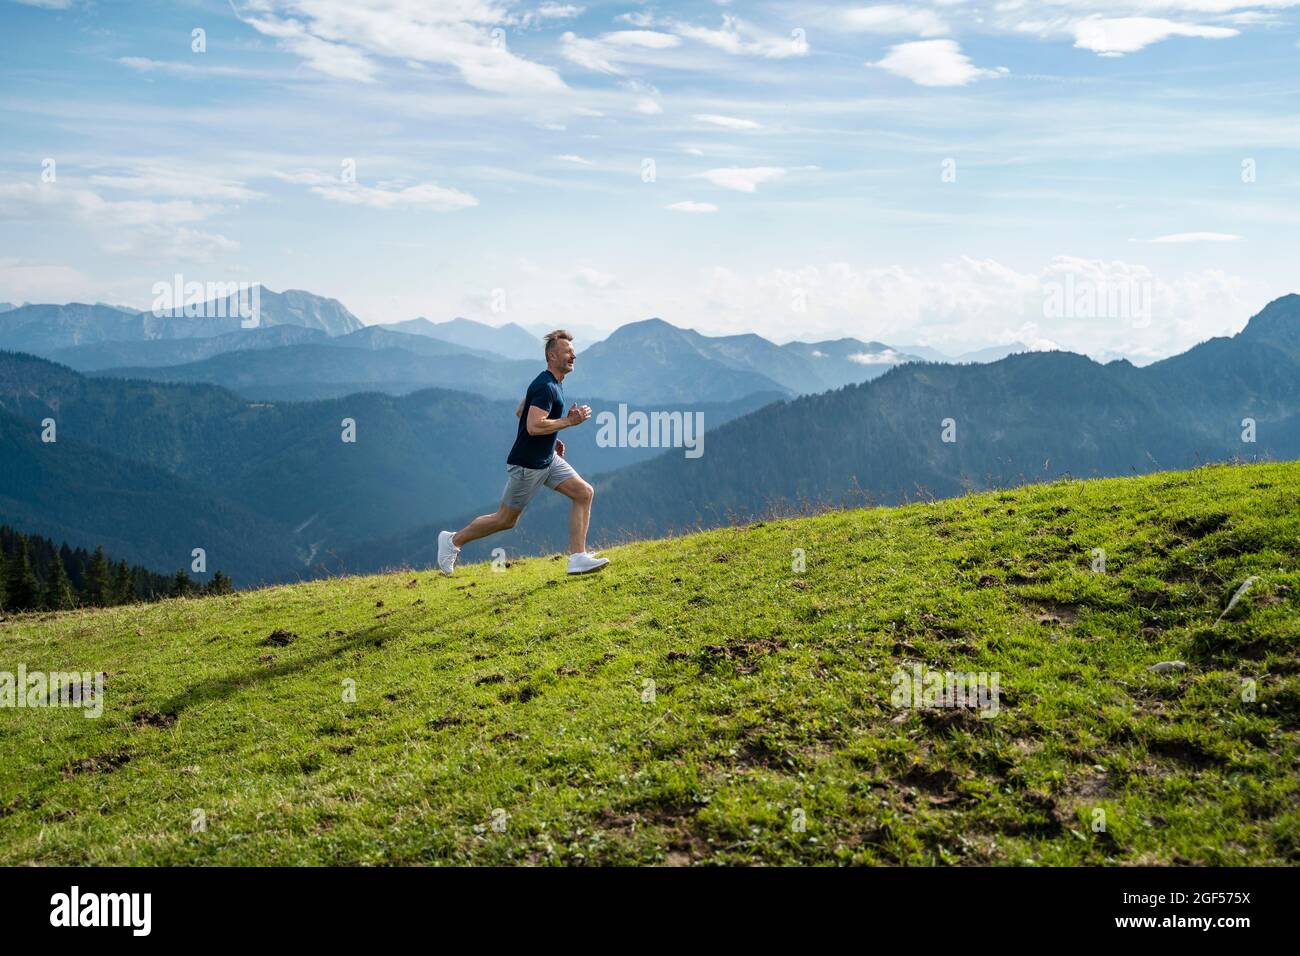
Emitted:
pixel 1165 667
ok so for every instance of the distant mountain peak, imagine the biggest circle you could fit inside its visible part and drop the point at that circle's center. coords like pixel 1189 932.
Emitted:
pixel 1277 321
pixel 646 325
pixel 510 341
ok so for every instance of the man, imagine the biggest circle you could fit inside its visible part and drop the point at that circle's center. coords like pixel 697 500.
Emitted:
pixel 536 459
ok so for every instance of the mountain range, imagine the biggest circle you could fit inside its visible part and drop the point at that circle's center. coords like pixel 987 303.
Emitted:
pixel 238 447
pixel 642 362
pixel 41 329
pixel 1029 417
pixel 282 359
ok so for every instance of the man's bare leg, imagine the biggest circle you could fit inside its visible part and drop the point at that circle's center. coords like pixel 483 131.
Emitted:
pixel 503 520
pixel 581 494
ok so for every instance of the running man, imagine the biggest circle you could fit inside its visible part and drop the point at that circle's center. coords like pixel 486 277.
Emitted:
pixel 536 459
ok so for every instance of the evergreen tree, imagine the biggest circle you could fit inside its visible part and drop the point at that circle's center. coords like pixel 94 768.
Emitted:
pixel 182 586
pixel 220 584
pixel 4 565
pixel 22 590
pixel 124 584
pixel 58 589
pixel 99 584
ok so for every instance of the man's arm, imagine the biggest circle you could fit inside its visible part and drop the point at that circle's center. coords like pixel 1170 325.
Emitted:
pixel 520 410
pixel 539 424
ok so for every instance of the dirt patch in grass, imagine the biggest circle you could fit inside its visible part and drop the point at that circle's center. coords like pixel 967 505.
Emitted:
pixel 1051 614
pixel 940 781
pixel 520 695
pixel 681 844
pixel 100 763
pixel 1198 526
pixel 151 718
pixel 280 638
pixel 745 654
pixel 943 719
pixel 764 752
pixel 933 626
pixel 1184 751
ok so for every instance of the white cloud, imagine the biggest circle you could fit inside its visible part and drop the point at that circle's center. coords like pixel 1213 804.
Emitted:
pixel 332 59
pixel 556 11
pixel 162 181
pixel 892 18
pixel 1179 237
pixel 126 227
pixel 572 158
pixel 593 278
pixel 428 196
pixel 23 280
pixel 730 122
pixel 743 179
pixel 742 39
pixel 636 18
pixel 689 206
pixel 588 53
pixel 649 106
pixel 969 303
pixel 340 39
pixel 201 69
pixel 609 52
pixel 1120 35
pixel 648 39
pixel 883 357
pixel 933 63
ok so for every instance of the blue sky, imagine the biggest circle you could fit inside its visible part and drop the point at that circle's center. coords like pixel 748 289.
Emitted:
pixel 929 172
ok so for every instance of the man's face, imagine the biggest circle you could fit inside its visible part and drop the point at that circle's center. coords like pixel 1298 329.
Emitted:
pixel 562 355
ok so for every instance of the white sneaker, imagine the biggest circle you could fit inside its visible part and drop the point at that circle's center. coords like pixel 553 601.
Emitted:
pixel 584 563
pixel 447 552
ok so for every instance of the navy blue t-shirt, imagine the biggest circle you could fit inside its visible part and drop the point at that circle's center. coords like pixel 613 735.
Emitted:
pixel 535 451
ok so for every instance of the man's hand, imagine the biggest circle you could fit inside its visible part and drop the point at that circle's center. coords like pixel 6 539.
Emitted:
pixel 578 414
pixel 559 447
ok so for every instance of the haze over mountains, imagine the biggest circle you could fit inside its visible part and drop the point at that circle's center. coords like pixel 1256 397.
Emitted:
pixel 200 434
pixel 42 328
pixel 508 341
pixel 282 358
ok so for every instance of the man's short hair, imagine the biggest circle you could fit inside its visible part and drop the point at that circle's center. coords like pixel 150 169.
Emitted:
pixel 553 337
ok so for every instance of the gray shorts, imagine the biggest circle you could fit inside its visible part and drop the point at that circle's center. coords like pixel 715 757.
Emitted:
pixel 522 483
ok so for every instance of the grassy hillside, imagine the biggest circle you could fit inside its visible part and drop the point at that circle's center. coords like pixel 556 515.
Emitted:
pixel 523 691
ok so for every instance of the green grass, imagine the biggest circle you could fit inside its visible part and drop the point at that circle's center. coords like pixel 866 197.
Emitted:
pixel 521 691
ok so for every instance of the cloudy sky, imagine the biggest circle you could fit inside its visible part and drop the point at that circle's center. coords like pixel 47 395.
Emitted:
pixel 923 173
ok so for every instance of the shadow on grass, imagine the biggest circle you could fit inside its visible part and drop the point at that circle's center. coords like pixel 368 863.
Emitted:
pixel 220 688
